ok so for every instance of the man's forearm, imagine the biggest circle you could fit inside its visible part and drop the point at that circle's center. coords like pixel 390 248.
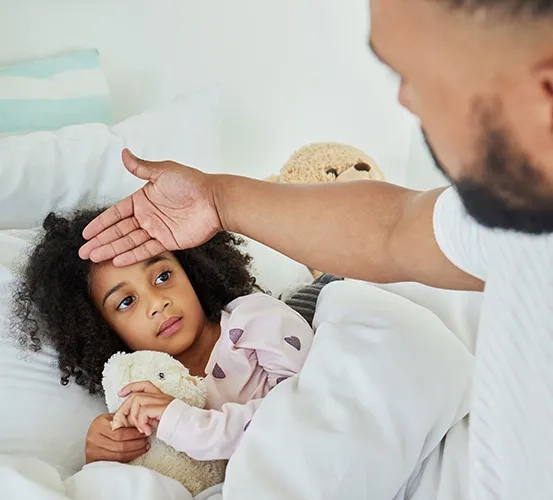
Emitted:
pixel 341 228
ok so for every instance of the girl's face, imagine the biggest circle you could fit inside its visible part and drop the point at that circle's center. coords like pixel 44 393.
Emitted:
pixel 150 305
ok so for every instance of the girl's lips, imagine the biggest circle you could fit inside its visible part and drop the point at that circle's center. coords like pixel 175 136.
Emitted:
pixel 169 327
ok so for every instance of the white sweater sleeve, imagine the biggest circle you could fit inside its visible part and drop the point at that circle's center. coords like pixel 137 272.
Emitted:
pixel 462 240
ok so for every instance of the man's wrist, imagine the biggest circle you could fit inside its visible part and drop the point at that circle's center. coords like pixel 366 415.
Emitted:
pixel 220 185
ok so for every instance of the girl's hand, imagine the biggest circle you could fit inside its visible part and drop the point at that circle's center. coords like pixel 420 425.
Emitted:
pixel 122 445
pixel 145 403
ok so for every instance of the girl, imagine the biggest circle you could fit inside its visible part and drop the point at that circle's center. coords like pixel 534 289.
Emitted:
pixel 201 306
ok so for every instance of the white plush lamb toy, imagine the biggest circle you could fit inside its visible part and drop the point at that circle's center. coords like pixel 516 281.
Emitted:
pixel 171 377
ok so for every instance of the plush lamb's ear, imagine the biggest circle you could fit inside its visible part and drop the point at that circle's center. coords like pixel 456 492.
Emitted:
pixel 194 380
pixel 113 379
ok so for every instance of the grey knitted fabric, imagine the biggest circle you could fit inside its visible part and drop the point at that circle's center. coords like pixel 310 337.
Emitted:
pixel 304 300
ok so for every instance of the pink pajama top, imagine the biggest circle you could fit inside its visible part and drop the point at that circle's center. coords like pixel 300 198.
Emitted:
pixel 262 343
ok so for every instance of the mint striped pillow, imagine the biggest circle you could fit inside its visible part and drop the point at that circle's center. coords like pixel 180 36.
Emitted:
pixel 48 94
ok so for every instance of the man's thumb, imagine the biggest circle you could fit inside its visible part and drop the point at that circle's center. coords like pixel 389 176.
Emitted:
pixel 143 169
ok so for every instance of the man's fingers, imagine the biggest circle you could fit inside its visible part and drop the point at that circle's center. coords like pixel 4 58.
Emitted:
pixel 120 230
pixel 110 217
pixel 126 242
pixel 146 251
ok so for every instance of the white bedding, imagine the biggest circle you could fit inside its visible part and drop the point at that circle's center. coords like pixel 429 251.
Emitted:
pixel 33 479
pixel 383 384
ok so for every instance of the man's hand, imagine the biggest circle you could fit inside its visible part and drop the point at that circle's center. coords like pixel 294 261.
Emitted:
pixel 174 210
pixel 146 403
pixel 122 445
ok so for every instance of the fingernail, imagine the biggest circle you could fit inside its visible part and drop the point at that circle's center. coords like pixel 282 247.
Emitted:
pixel 122 393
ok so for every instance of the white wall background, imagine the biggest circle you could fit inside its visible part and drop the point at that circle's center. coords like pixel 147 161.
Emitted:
pixel 291 71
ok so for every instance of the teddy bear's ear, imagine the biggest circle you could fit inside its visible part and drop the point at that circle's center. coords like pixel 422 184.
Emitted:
pixel 370 166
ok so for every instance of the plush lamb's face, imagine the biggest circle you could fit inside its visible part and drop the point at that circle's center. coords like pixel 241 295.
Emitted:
pixel 165 372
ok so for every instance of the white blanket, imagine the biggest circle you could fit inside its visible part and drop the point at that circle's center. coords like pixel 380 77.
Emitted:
pixel 383 384
pixel 33 479
pixel 365 419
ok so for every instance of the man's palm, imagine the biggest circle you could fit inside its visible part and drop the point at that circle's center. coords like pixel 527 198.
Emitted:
pixel 173 210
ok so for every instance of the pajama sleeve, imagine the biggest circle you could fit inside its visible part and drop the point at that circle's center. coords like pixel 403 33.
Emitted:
pixel 206 434
pixel 280 339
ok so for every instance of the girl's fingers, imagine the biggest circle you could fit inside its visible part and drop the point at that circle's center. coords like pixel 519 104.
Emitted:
pixel 145 386
pixel 125 407
pixel 134 414
pixel 148 413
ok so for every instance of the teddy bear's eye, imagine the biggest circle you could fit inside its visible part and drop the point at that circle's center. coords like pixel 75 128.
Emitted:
pixel 332 171
pixel 161 375
pixel 362 167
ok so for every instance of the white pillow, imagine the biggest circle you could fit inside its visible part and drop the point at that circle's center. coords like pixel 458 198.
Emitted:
pixel 41 418
pixel 274 271
pixel 80 164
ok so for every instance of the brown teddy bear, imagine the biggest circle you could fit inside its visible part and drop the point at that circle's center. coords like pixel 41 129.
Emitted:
pixel 328 162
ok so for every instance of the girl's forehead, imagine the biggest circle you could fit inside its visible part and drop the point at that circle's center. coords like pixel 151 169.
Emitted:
pixel 104 272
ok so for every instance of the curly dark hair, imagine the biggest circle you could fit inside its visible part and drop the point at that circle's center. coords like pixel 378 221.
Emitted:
pixel 54 277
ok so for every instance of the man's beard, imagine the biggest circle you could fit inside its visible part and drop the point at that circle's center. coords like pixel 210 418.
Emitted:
pixel 509 191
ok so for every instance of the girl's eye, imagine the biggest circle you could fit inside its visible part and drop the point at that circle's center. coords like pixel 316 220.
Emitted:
pixel 126 302
pixel 163 277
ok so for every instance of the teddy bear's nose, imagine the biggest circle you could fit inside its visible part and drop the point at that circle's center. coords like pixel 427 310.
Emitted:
pixel 362 167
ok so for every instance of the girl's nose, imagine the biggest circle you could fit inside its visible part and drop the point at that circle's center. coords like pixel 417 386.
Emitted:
pixel 159 305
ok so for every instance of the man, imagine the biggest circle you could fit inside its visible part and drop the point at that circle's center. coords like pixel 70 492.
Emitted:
pixel 479 75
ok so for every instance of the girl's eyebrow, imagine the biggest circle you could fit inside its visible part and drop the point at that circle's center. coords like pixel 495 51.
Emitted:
pixel 148 263
pixel 112 290
pixel 154 260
